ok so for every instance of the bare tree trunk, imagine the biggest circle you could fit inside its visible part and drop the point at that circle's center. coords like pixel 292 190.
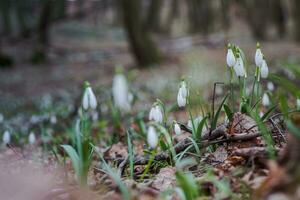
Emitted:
pixel 258 13
pixel 279 17
pixel 5 7
pixel 200 16
pixel 153 17
pixel 295 4
pixel 142 47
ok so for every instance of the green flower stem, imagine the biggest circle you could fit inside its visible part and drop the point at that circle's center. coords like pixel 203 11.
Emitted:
pixel 231 88
pixel 151 159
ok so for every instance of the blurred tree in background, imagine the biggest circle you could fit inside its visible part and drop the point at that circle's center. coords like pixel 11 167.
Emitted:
pixel 147 21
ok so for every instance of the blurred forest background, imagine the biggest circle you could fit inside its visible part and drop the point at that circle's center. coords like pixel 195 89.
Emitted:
pixel 51 46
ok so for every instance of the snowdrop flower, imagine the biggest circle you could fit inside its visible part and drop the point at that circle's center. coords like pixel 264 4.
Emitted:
pixel 196 123
pixel 264 70
pixel 261 114
pixel 298 103
pixel 258 56
pixel 270 86
pixel 53 119
pixel 6 137
pixel 120 92
pixel 156 113
pixel 182 94
pixel 89 98
pixel 177 128
pixel 230 58
pixel 31 138
pixel 239 67
pixel 152 138
pixel 265 100
pixel 1 118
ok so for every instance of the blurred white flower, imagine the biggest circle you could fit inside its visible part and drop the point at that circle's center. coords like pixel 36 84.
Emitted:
pixel 6 137
pixel 31 138
pixel 196 123
pixel 264 70
pixel 120 92
pixel 1 118
pixel 261 114
pixel 152 138
pixel 182 94
pixel 53 119
pixel 156 114
pixel 177 129
pixel 230 58
pixel 265 100
pixel 239 67
pixel 298 103
pixel 89 98
pixel 95 116
pixel 258 57
pixel 270 86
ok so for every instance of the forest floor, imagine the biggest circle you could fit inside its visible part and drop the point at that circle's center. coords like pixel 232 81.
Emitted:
pixel 80 52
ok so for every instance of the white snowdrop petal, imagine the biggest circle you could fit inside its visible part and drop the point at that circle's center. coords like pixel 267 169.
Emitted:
pixel 239 67
pixel 120 92
pixel 152 138
pixel 270 86
pixel 177 129
pixel 6 137
pixel 258 57
pixel 265 100
pixel 159 114
pixel 230 59
pixel 85 100
pixel 181 101
pixel 298 103
pixel 31 138
pixel 92 98
pixel 152 113
pixel 264 71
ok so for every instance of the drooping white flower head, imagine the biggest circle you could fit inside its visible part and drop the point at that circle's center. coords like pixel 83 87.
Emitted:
pixel 265 100
pixel 261 114
pixel 120 92
pixel 177 128
pixel 230 58
pixel 89 99
pixel 264 70
pixel 152 137
pixel 1 118
pixel 196 123
pixel 258 56
pixel 53 119
pixel 156 113
pixel 270 86
pixel 298 103
pixel 6 137
pixel 31 138
pixel 239 67
pixel 182 94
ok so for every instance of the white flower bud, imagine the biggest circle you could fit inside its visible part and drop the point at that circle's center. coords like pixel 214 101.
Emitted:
pixel 182 94
pixel 196 122
pixel 6 137
pixel 89 99
pixel 264 70
pixel 258 57
pixel 31 138
pixel 121 93
pixel 298 103
pixel 261 114
pixel 1 118
pixel 152 138
pixel 239 67
pixel 177 129
pixel 270 86
pixel 53 119
pixel 230 59
pixel 156 114
pixel 265 100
